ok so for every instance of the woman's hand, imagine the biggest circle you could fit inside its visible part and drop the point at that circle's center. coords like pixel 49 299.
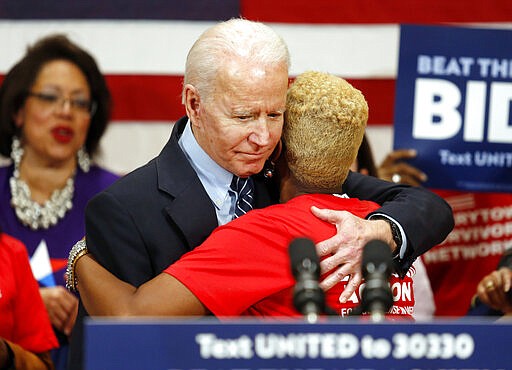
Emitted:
pixel 493 288
pixel 62 307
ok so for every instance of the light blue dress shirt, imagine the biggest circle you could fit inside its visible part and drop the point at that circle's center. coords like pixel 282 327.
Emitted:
pixel 215 179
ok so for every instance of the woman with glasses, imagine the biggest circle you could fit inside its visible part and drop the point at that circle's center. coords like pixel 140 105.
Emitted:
pixel 54 108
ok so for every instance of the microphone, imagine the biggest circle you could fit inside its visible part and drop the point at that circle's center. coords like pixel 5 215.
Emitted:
pixel 377 265
pixel 308 297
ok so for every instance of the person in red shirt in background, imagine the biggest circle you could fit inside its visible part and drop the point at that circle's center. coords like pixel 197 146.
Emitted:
pixel 242 269
pixel 26 335
pixel 474 247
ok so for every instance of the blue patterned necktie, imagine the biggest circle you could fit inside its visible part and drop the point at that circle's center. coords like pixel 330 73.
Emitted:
pixel 244 189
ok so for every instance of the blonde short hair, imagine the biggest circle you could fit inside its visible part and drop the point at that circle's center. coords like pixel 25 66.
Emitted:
pixel 324 126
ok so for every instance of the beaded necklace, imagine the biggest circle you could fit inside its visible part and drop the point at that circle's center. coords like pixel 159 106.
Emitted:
pixel 29 212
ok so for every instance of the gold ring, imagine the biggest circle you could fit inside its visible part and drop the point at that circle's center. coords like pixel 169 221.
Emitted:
pixel 489 285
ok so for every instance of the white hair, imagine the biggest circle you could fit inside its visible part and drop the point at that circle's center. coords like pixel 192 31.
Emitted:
pixel 239 38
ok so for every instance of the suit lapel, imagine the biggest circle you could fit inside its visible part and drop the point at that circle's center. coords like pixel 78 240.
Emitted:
pixel 190 207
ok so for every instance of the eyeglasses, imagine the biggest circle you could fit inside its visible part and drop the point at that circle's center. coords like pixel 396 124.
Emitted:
pixel 51 101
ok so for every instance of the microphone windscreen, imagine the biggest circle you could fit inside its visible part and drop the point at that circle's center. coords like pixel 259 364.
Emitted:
pixel 303 257
pixel 377 258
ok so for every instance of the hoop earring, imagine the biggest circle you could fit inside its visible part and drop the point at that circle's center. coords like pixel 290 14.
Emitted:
pixel 84 160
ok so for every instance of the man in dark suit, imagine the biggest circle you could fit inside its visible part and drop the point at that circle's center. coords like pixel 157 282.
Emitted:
pixel 234 93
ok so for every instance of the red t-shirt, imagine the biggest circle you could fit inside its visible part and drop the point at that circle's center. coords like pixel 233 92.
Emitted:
pixel 482 233
pixel 23 317
pixel 243 268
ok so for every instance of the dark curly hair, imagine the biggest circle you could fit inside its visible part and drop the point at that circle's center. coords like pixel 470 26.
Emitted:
pixel 365 158
pixel 22 76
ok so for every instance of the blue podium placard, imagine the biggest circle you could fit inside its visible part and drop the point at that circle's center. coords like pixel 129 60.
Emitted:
pixel 453 105
pixel 250 345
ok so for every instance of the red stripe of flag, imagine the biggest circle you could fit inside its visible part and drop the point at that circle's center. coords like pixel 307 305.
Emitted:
pixel 146 97
pixel 140 98
pixel 377 11
pixel 158 97
pixel 380 95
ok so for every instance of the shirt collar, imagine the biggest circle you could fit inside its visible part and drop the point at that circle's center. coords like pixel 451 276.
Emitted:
pixel 215 179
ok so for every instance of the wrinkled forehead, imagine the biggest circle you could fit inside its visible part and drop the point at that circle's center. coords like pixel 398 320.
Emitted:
pixel 253 76
pixel 254 83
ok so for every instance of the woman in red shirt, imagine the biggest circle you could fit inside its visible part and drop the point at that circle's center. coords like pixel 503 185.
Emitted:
pixel 26 335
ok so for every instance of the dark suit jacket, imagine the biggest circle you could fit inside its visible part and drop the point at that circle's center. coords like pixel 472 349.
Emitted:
pixel 151 217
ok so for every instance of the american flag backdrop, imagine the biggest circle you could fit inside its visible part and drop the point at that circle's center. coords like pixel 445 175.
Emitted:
pixel 141 47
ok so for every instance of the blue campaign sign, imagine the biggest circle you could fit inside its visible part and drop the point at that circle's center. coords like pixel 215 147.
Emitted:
pixel 453 104
pixel 250 345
